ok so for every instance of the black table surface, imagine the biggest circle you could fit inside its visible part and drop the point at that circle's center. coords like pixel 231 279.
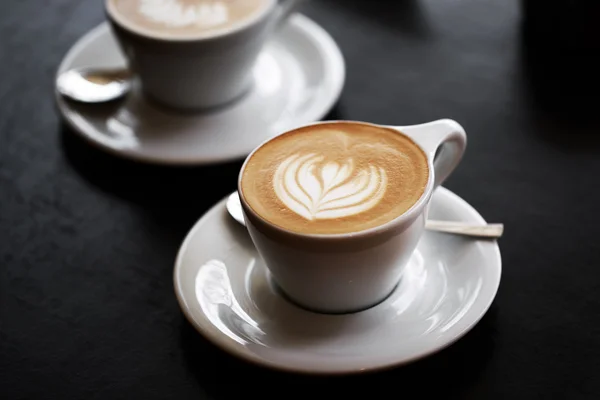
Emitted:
pixel 87 240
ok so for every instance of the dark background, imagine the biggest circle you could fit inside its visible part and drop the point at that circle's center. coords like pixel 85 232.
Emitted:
pixel 87 241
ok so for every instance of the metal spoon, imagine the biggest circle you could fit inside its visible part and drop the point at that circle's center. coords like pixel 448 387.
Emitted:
pixel 489 231
pixel 94 85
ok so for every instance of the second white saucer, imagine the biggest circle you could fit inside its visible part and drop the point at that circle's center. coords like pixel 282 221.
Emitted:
pixel 226 292
pixel 297 79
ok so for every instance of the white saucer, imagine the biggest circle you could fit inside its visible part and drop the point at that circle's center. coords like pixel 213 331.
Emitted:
pixel 224 290
pixel 298 78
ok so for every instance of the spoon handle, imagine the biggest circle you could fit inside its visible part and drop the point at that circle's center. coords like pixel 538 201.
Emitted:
pixel 491 231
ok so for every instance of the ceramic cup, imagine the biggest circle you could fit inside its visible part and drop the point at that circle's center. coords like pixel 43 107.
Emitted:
pixel 199 72
pixel 344 273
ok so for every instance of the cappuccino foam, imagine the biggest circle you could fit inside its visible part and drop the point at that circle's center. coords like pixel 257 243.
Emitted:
pixel 335 178
pixel 185 18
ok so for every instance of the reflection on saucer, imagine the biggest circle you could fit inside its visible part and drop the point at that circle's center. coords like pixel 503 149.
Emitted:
pixel 217 300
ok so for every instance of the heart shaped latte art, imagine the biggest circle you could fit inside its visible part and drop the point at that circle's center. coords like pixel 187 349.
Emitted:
pixel 173 13
pixel 318 190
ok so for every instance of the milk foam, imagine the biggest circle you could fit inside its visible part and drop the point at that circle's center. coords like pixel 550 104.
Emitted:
pixel 174 13
pixel 317 189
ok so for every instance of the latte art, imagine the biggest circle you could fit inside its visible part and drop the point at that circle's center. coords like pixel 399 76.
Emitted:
pixel 333 178
pixel 174 13
pixel 317 190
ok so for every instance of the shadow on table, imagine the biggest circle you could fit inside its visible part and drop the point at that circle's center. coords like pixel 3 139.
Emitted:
pixel 449 373
pixel 174 196
pixel 405 16
pixel 562 82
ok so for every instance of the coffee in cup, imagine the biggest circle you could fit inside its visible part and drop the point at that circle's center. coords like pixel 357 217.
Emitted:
pixel 336 209
pixel 335 178
pixel 186 18
pixel 195 54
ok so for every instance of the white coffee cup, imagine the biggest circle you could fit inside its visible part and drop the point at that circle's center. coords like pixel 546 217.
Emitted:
pixel 210 70
pixel 343 273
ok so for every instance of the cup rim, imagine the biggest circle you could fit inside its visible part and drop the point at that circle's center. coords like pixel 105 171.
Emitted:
pixel 412 213
pixel 210 35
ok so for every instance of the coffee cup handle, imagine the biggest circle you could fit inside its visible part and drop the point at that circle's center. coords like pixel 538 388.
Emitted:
pixel 444 142
pixel 285 8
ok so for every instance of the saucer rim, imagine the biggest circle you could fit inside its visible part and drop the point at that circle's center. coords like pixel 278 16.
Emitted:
pixel 334 60
pixel 218 340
